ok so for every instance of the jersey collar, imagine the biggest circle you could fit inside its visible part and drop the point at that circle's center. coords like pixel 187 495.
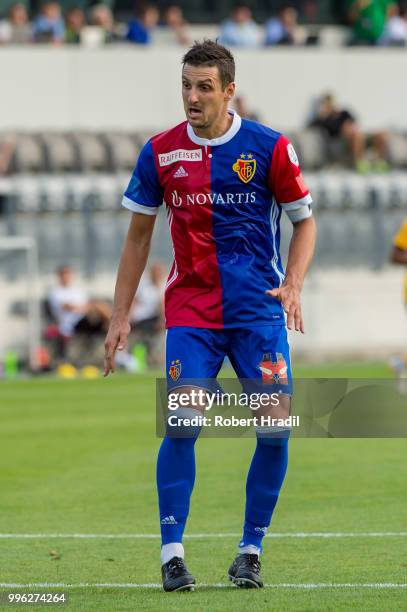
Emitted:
pixel 232 131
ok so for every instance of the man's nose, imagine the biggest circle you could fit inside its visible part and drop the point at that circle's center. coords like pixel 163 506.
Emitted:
pixel 193 96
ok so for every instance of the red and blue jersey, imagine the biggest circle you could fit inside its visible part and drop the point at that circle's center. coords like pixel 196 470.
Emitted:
pixel 224 199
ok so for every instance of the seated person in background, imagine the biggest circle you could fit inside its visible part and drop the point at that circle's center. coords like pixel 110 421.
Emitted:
pixel 174 21
pixel 16 29
pixel 74 21
pixel 368 19
pixel 101 16
pixel 284 29
pixel 240 106
pixel 141 28
pixel 72 309
pixel 395 31
pixel 240 30
pixel 49 26
pixel 339 123
pixel 147 312
pixel 147 309
pixel 7 147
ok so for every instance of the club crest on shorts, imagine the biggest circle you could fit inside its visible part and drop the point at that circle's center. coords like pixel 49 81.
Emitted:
pixel 274 371
pixel 245 167
pixel 175 369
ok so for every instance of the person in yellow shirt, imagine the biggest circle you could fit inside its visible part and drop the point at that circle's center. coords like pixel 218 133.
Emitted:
pixel 399 256
pixel 399 252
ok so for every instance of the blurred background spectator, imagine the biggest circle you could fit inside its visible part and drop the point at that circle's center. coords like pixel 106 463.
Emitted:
pixel 324 22
pixel 140 30
pixel 73 311
pixel 75 21
pixel 240 30
pixel 7 144
pixel 147 309
pixel 339 124
pixel 49 26
pixel 174 22
pixel 240 106
pixel 16 29
pixel 147 312
pixel 395 31
pixel 283 29
pixel 368 19
pixel 101 16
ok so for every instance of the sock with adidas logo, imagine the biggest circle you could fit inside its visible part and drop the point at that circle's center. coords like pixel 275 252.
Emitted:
pixel 175 481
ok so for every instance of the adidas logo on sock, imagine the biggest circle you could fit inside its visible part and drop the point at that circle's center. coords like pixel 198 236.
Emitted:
pixel 169 520
pixel 180 172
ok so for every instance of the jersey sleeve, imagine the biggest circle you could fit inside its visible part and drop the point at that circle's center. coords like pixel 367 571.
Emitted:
pixel 286 181
pixel 400 239
pixel 144 193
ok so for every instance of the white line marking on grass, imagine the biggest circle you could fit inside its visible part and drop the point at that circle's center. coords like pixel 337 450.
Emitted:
pixel 200 536
pixel 217 585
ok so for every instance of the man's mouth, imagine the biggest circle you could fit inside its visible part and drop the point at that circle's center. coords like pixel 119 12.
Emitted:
pixel 194 112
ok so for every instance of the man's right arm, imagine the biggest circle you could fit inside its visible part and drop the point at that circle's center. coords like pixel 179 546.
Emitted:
pixel 132 264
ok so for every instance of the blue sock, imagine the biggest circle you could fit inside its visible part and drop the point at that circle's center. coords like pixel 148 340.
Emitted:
pixel 175 481
pixel 264 480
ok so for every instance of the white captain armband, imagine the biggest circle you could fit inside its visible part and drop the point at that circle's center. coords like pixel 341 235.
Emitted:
pixel 299 212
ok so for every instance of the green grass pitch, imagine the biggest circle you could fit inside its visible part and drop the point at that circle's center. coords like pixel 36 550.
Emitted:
pixel 78 457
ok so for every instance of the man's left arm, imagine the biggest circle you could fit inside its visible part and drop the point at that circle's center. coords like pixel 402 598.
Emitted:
pixel 300 255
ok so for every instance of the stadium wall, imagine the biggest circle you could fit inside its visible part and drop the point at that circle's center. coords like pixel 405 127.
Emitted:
pixel 128 88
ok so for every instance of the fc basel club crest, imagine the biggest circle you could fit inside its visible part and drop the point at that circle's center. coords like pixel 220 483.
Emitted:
pixel 175 369
pixel 245 167
pixel 274 371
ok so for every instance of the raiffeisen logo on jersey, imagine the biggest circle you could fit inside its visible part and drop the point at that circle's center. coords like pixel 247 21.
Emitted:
pixel 202 199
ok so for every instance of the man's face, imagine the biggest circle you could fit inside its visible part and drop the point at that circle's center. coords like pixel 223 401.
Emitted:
pixel 151 17
pixel 65 276
pixel 327 106
pixel 75 19
pixel 289 17
pixel 18 15
pixel 51 10
pixel 203 95
pixel 242 14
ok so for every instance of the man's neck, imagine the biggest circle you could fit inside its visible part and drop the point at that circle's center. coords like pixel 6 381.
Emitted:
pixel 217 129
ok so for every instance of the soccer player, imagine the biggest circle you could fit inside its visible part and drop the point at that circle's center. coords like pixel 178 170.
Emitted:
pixel 399 256
pixel 225 182
pixel 399 252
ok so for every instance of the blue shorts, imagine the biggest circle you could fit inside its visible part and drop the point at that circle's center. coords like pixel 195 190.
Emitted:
pixel 260 356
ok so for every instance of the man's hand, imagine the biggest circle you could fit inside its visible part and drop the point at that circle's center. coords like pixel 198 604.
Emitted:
pixel 289 296
pixel 116 340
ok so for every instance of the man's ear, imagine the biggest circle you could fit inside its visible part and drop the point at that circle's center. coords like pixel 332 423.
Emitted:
pixel 230 91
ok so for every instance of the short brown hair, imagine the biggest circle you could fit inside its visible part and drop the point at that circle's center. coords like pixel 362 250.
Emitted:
pixel 211 53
